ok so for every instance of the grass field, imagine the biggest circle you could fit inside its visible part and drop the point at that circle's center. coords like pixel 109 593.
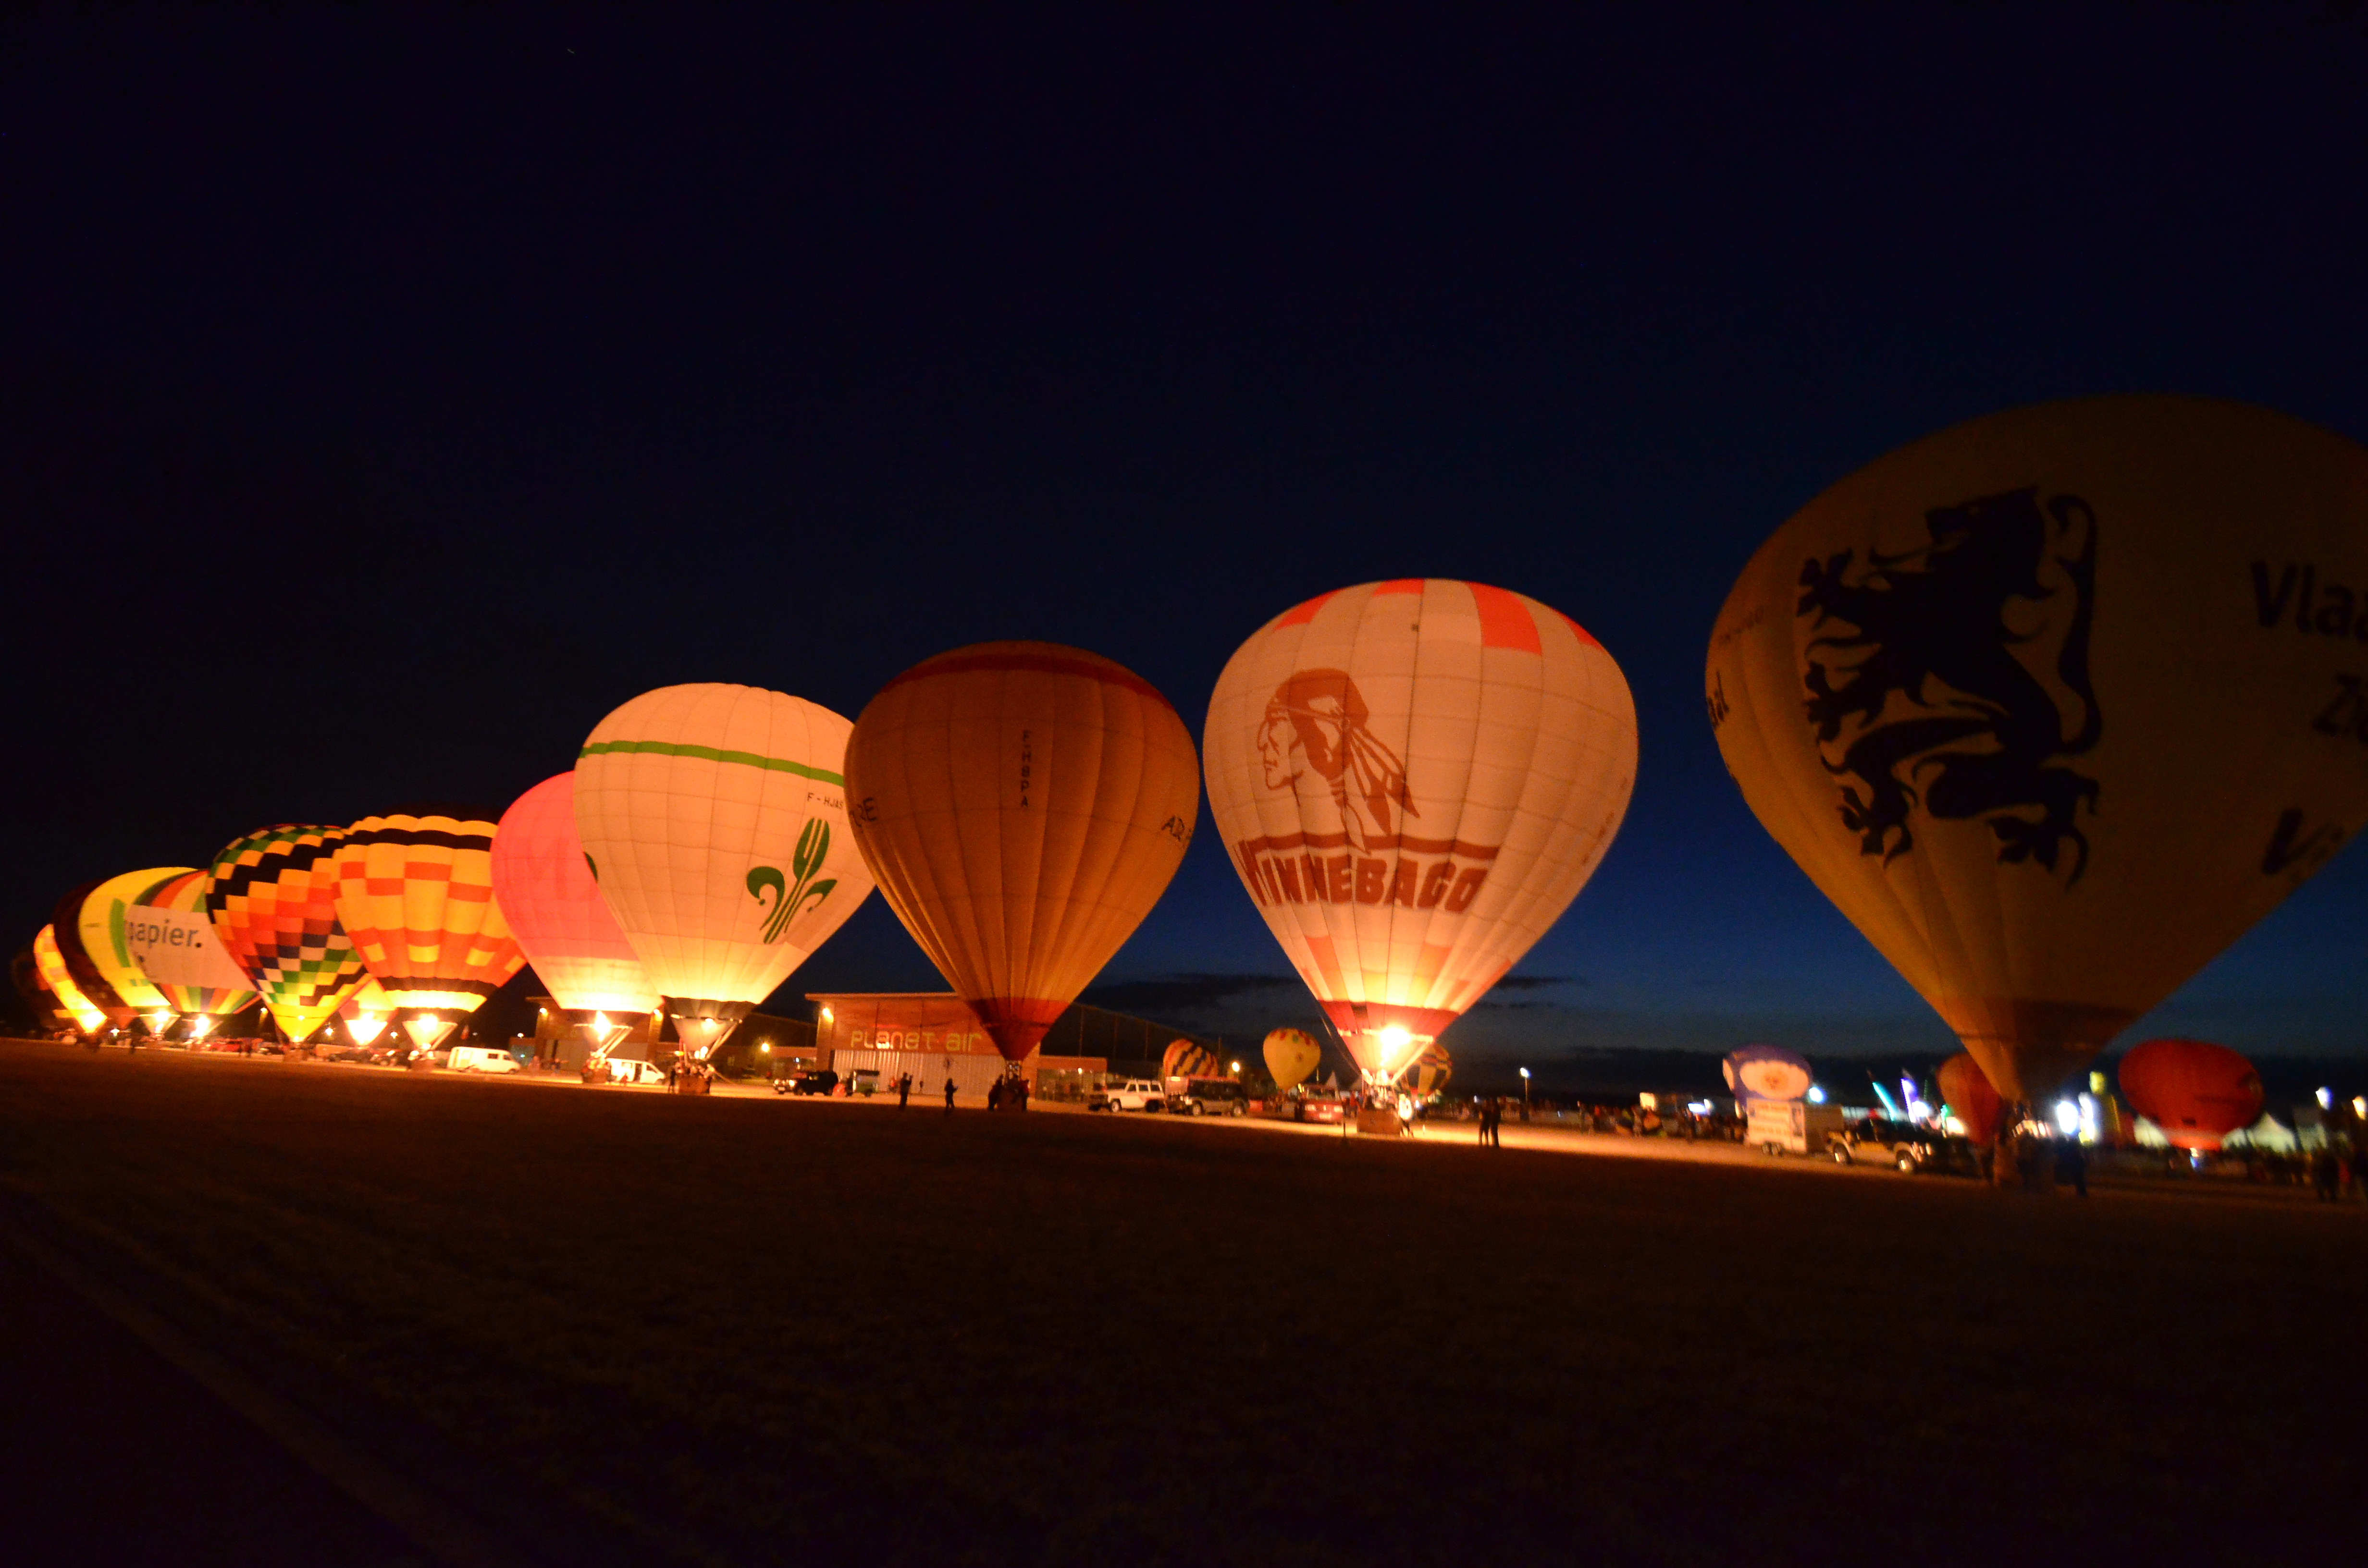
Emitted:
pixel 773 1330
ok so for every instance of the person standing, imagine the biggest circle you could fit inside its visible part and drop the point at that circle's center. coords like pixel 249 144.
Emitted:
pixel 904 1089
pixel 949 1096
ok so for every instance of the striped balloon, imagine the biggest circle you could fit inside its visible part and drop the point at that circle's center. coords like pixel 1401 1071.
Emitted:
pixel 272 898
pixel 52 967
pixel 1430 1073
pixel 1188 1058
pixel 415 894
pixel 173 943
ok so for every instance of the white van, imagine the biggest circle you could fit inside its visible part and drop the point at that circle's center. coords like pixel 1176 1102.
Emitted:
pixel 481 1059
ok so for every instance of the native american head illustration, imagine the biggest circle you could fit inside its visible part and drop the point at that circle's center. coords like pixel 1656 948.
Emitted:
pixel 1315 735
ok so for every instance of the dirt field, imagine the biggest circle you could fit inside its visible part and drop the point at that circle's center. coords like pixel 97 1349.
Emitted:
pixel 756 1331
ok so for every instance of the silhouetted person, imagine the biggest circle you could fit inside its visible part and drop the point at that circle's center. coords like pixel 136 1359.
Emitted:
pixel 949 1096
pixel 2072 1165
pixel 2326 1175
pixel 994 1096
pixel 904 1089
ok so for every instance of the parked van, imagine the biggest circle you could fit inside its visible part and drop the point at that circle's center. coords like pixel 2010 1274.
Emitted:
pixel 481 1059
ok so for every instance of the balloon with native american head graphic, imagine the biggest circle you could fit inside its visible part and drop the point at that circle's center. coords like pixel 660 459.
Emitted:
pixel 1414 780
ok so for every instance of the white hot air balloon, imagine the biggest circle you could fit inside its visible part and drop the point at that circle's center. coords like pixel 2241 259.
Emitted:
pixel 715 818
pixel 1414 778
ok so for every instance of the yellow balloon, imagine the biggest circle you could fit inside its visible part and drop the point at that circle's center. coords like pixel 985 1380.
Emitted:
pixel 2054 704
pixel 1290 1056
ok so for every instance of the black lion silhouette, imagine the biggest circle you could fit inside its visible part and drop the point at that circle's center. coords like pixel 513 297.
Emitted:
pixel 1982 734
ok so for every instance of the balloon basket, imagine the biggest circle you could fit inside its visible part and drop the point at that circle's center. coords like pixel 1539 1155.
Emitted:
pixel 420 1062
pixel 692 1084
pixel 1376 1121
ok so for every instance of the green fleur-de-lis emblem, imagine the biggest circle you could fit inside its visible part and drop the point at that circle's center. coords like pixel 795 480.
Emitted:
pixel 789 898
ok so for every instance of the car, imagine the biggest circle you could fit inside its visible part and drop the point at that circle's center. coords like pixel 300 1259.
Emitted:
pixel 1907 1148
pixel 1209 1096
pixel 1127 1093
pixel 821 1083
pixel 633 1069
pixel 481 1059
pixel 1322 1105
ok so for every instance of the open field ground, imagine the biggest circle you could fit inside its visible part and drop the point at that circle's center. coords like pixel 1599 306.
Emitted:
pixel 627 1326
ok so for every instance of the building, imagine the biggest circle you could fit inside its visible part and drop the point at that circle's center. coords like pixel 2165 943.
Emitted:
pixel 934 1036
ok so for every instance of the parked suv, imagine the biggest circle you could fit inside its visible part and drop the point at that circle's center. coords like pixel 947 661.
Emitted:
pixel 1131 1093
pixel 1902 1146
pixel 821 1083
pixel 1209 1096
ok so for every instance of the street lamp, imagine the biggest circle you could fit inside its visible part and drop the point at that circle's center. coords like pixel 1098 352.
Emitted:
pixel 1525 1093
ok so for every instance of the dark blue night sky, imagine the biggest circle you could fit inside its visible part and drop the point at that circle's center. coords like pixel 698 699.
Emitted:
pixel 384 398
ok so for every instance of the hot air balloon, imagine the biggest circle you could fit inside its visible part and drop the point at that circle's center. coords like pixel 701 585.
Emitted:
pixel 172 939
pixel 1970 1098
pixel 562 923
pixel 366 1013
pixel 2196 1092
pixel 2054 704
pixel 416 896
pixel 272 898
pixel 1188 1058
pixel 100 926
pixel 1430 1072
pixel 715 818
pixel 1766 1073
pixel 52 965
pixel 1022 805
pixel 1290 1056
pixel 1414 780
pixel 97 991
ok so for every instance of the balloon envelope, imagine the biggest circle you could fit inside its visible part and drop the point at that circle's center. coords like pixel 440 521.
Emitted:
pixel 52 964
pixel 1430 1072
pixel 715 818
pixel 100 925
pixel 2054 704
pixel 2196 1091
pixel 1023 806
pixel 1966 1091
pixel 172 939
pixel 97 990
pixel 1767 1072
pixel 555 910
pixel 1290 1056
pixel 1414 780
pixel 415 897
pixel 273 901
pixel 1188 1058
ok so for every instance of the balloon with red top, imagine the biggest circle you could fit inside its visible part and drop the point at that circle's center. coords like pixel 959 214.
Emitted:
pixel 1414 780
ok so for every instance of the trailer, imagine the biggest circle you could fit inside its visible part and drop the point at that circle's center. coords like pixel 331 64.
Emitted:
pixel 1791 1127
